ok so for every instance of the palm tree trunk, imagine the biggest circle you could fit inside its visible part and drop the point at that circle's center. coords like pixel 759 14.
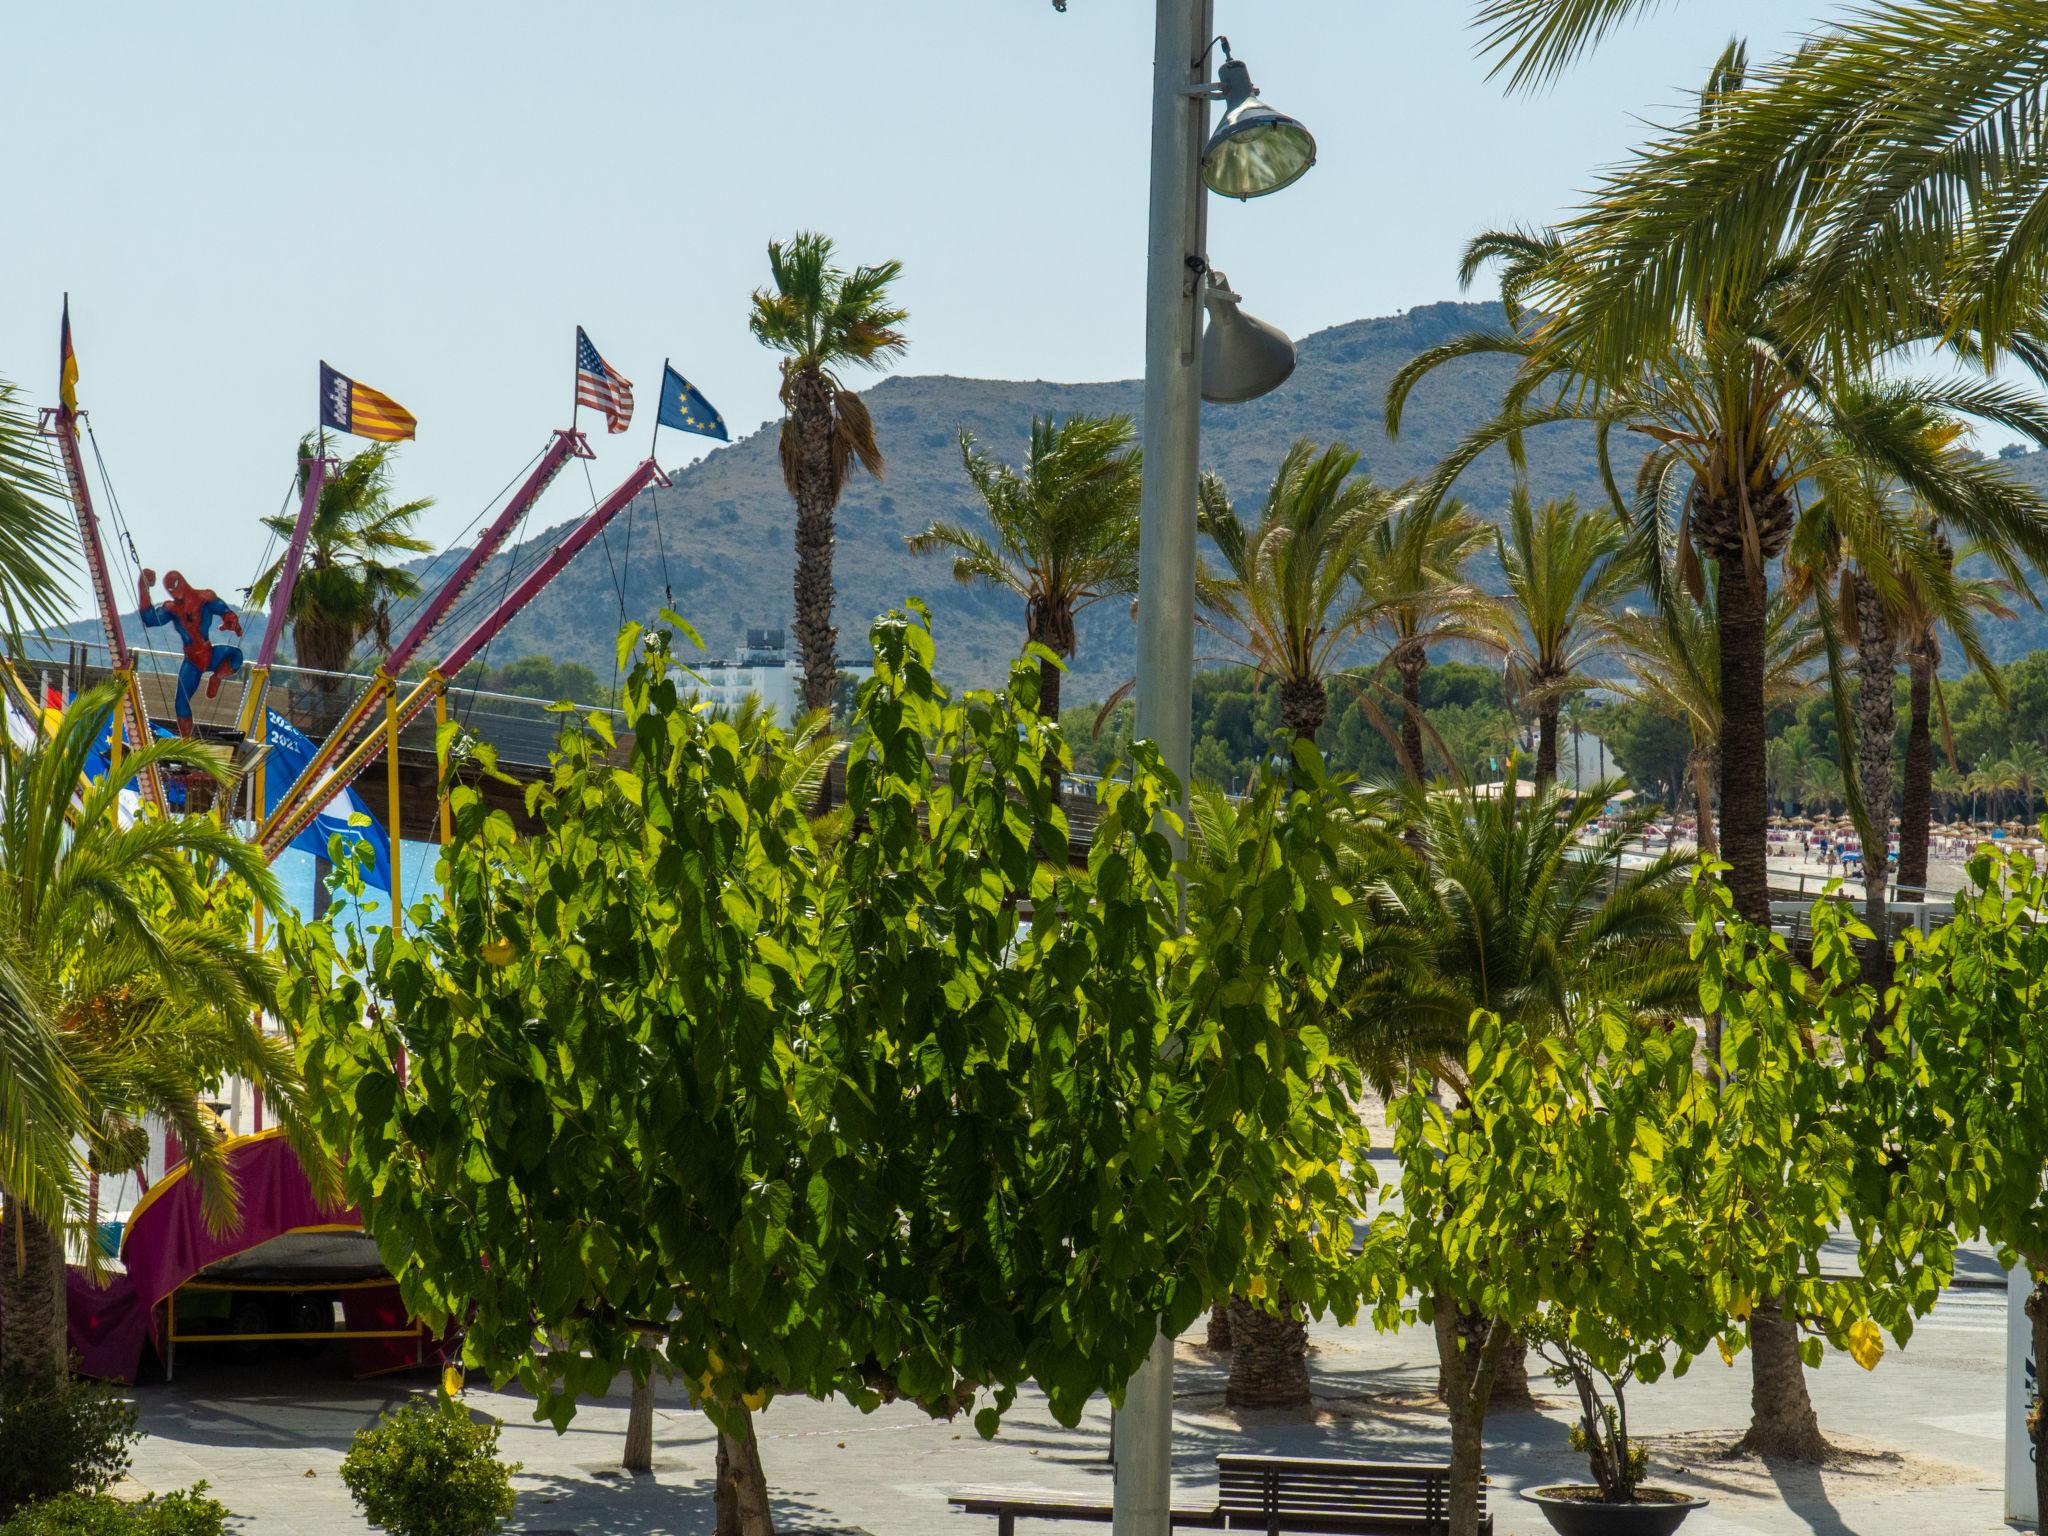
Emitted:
pixel 1304 704
pixel 1268 1355
pixel 1701 762
pixel 1782 1421
pixel 33 1343
pixel 1876 726
pixel 1411 714
pixel 1744 811
pixel 1219 1326
pixel 1546 744
pixel 810 419
pixel 1916 792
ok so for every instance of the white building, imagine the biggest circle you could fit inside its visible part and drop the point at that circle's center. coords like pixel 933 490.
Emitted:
pixel 765 669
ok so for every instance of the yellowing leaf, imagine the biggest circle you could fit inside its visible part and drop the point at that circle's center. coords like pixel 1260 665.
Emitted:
pixel 451 1380
pixel 498 952
pixel 1257 1289
pixel 1866 1343
pixel 1727 1354
pixel 754 1402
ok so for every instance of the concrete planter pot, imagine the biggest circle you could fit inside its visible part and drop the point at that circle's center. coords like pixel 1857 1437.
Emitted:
pixel 1656 1511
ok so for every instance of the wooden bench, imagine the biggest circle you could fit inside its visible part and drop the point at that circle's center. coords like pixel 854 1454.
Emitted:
pixel 1274 1494
pixel 1010 1507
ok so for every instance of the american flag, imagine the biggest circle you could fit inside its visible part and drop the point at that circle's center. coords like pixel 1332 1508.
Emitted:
pixel 602 388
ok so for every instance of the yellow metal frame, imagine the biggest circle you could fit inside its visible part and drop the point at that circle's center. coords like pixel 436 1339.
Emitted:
pixel 175 1338
pixel 381 684
pixel 291 819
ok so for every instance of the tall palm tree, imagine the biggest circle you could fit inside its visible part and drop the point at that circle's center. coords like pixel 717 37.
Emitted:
pixel 823 319
pixel 2030 773
pixel 1414 576
pixel 1284 595
pixel 1896 574
pixel 35 537
pixel 127 988
pixel 1563 578
pixel 353 569
pixel 1066 529
pixel 1674 660
pixel 1749 382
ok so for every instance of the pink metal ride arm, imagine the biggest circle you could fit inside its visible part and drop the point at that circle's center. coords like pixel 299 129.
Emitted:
pixel 294 555
pixel 564 446
pixel 63 426
pixel 305 806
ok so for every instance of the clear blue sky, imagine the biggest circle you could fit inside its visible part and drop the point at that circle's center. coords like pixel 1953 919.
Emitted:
pixel 433 195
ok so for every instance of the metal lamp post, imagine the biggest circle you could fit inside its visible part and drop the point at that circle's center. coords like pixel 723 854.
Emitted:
pixel 1255 150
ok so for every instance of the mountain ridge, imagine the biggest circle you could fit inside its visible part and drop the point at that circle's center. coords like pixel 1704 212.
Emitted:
pixel 722 530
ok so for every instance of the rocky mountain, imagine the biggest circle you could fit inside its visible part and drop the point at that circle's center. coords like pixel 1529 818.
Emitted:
pixel 725 523
pixel 723 527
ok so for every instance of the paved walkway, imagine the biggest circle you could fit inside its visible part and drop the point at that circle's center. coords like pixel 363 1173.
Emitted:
pixel 270 1443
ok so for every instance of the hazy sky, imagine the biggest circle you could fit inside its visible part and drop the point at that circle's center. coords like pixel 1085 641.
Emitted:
pixel 432 195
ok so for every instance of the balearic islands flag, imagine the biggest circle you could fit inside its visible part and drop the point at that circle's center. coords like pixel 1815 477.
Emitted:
pixel 347 406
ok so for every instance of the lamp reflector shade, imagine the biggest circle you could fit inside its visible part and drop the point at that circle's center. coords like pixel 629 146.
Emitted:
pixel 1243 357
pixel 1254 150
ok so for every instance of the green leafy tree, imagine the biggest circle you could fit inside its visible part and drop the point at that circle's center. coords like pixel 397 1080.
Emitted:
pixel 1283 594
pixel 823 319
pixel 128 986
pixel 1966 1052
pixel 717 1101
pixel 1065 525
pixel 354 567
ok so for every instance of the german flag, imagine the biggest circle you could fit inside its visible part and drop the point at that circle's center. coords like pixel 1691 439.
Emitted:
pixel 67 365
pixel 347 406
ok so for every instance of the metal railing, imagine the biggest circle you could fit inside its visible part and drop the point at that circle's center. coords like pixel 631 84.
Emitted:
pixel 521 728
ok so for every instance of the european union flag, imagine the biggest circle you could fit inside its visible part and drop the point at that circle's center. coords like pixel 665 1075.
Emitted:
pixel 683 408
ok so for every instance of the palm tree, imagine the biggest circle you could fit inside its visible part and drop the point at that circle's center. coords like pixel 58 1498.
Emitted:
pixel 2030 773
pixel 1902 145
pixel 1896 574
pixel 1563 578
pixel 1414 578
pixel 1066 530
pixel 1749 381
pixel 1674 661
pixel 35 538
pixel 1919 626
pixel 1952 785
pixel 1823 782
pixel 1285 595
pixel 353 570
pixel 823 319
pixel 127 988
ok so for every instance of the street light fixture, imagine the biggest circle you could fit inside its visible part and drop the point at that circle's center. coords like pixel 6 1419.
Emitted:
pixel 1243 357
pixel 1254 150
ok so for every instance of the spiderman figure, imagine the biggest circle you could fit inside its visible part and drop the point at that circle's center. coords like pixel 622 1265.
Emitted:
pixel 191 611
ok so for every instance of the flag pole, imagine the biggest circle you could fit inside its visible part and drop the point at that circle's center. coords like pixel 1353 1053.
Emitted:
pixel 575 388
pixel 655 436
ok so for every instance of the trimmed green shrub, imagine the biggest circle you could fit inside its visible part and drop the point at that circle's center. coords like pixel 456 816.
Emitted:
pixel 429 1469
pixel 190 1513
pixel 74 1439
